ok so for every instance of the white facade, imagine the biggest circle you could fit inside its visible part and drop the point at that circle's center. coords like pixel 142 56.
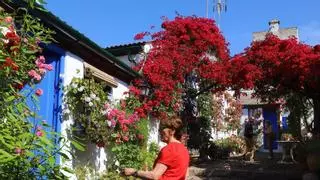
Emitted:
pixel 72 64
pixel 118 92
pixel 93 156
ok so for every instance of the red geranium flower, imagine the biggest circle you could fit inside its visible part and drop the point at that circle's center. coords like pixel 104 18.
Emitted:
pixel 39 92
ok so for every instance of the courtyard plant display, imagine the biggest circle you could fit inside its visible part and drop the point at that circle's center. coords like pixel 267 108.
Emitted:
pixel 186 72
pixel 268 66
pixel 232 144
pixel 104 123
pixel 29 149
pixel 112 125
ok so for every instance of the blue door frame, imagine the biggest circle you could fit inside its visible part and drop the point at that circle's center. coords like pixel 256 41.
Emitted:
pixel 270 113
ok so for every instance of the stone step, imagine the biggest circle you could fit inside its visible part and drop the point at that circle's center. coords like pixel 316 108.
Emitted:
pixel 202 173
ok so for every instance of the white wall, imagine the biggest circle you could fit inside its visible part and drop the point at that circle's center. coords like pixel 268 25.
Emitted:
pixel 93 155
pixel 154 131
pixel 117 92
pixel 72 64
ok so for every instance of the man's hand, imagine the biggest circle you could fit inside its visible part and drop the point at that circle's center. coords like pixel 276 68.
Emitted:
pixel 129 171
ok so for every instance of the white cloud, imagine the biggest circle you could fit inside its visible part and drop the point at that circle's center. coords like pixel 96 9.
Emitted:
pixel 310 33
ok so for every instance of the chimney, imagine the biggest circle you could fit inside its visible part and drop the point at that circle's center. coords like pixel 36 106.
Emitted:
pixel 274 26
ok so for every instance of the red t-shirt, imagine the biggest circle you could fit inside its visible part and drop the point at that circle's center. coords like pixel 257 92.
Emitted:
pixel 176 157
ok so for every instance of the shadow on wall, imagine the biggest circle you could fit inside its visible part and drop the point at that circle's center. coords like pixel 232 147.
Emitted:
pixel 89 157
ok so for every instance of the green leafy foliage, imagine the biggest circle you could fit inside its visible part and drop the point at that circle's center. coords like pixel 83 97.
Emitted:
pixel 200 130
pixel 29 151
pixel 29 148
pixel 85 100
pixel 232 144
pixel 131 155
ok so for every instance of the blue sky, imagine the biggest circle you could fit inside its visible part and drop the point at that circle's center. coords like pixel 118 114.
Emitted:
pixel 115 22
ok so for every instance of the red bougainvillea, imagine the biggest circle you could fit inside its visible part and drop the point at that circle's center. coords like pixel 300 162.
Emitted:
pixel 187 45
pixel 275 67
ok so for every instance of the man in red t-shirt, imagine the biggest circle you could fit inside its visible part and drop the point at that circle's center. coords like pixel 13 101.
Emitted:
pixel 173 160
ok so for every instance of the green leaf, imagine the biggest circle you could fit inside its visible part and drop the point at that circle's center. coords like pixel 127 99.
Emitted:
pixel 51 161
pixel 9 146
pixel 65 156
pixel 9 99
pixel 78 145
pixel 46 141
pixel 66 169
pixel 5 156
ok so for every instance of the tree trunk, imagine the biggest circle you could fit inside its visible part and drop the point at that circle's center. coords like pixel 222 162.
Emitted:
pixel 316 116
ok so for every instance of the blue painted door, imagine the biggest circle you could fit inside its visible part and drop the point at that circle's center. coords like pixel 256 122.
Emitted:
pixel 270 113
pixel 49 102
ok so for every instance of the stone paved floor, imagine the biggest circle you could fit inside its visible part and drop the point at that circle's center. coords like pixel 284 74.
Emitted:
pixel 237 169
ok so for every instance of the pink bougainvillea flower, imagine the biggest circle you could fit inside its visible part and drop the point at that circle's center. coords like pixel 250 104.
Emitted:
pixel 39 133
pixel 48 67
pixel 140 136
pixel 113 123
pixel 8 19
pixel 37 77
pixel 106 106
pixel 42 59
pixel 140 36
pixel 18 151
pixel 124 128
pixel 39 92
pixel 125 138
pixel 34 75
